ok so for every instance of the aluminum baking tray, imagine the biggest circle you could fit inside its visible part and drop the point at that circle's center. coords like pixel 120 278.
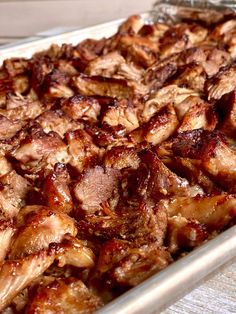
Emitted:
pixel 163 289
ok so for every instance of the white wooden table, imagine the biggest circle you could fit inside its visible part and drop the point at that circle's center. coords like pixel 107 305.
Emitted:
pixel 19 19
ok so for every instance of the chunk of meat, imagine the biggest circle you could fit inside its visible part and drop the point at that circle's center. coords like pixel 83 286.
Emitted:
pixel 154 181
pixel 41 228
pixel 38 146
pixel 199 116
pixel 121 157
pixel 217 157
pixel 139 265
pixel 7 230
pixel 180 37
pixel 78 107
pixel 106 65
pixel 95 187
pixel 72 251
pixel 20 108
pixel 140 224
pixel 15 275
pixel 192 76
pixel 82 152
pixel 55 189
pixel 102 86
pixel 123 113
pixel 56 121
pixel 222 83
pixel 184 234
pixel 14 190
pixel 5 165
pixel 9 128
pixel 159 128
pixel 215 212
pixel 171 94
pixel 64 295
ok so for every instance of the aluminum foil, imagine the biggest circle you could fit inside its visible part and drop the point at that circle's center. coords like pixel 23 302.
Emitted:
pixel 209 12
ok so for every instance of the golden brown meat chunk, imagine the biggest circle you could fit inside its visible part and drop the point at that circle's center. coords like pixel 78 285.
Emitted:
pixel 64 295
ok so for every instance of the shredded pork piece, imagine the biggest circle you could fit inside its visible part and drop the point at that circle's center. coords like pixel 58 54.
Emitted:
pixel 117 157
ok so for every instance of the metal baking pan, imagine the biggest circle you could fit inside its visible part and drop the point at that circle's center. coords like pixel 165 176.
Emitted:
pixel 166 287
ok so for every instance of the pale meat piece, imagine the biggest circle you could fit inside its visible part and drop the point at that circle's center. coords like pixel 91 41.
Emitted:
pixel 81 107
pixel 9 128
pixel 20 108
pixel 102 86
pixel 39 147
pixel 225 32
pixel 121 113
pixel 64 296
pixel 74 252
pixel 199 116
pixel 95 187
pixel 159 128
pixel 217 158
pixel 106 65
pixel 15 275
pixel 215 212
pixel 222 83
pixel 132 25
pixel 171 94
pixel 55 190
pixel 154 181
pixel 13 193
pixel 56 121
pixel 41 228
pixel 183 233
pixel 7 230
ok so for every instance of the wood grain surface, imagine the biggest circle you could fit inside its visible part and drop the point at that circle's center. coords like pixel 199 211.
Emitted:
pixel 19 19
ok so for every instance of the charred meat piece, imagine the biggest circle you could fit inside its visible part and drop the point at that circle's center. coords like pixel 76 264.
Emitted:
pixel 199 116
pixel 159 128
pixel 82 107
pixel 55 189
pixel 217 157
pixel 140 224
pixel 64 295
pixel 154 181
pixel 95 187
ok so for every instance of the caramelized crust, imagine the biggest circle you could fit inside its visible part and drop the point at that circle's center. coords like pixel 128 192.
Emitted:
pixel 117 157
